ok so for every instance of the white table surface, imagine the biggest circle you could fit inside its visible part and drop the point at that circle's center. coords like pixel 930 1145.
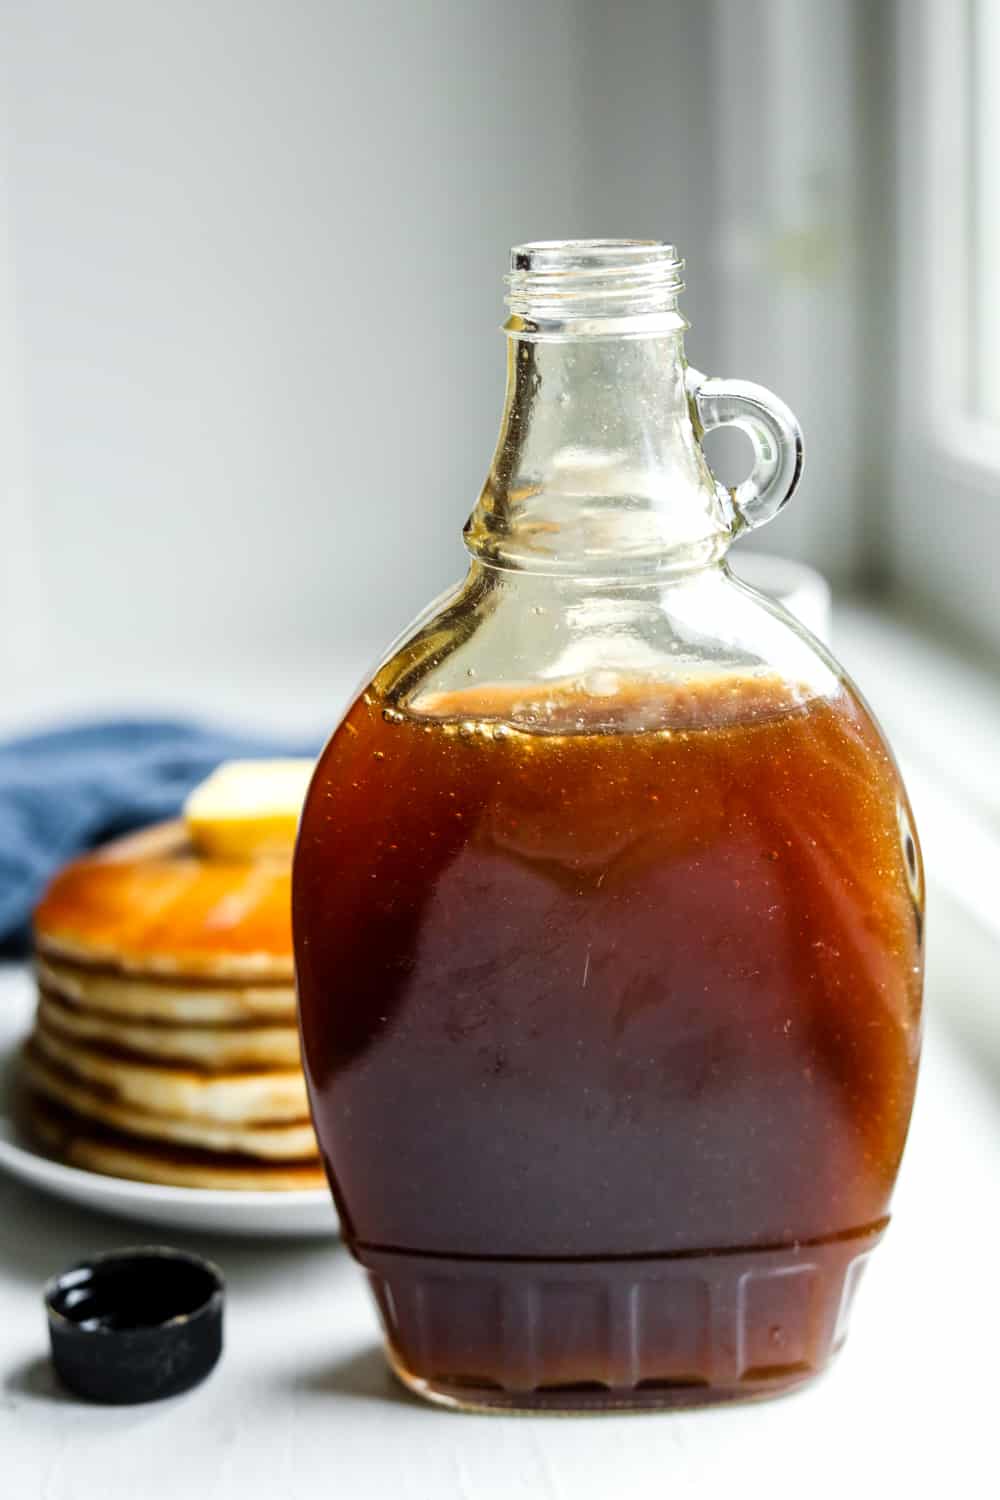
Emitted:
pixel 301 1404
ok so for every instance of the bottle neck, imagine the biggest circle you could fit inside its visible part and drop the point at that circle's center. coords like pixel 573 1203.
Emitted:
pixel 598 470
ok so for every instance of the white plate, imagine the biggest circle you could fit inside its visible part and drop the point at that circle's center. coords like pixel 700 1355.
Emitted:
pixel 277 1215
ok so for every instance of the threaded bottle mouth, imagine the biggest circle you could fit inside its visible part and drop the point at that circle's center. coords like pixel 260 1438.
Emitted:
pixel 556 280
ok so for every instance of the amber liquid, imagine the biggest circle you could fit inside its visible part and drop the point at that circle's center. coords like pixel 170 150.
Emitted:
pixel 610 1026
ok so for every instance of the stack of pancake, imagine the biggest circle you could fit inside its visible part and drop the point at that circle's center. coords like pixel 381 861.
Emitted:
pixel 165 1045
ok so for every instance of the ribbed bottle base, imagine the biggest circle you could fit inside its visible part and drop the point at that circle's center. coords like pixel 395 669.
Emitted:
pixel 621 1334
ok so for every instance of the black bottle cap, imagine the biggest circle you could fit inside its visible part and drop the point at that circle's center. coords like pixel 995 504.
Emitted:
pixel 135 1325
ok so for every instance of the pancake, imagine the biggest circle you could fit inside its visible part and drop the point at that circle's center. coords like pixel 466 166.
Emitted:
pixel 238 1097
pixel 98 1149
pixel 151 903
pixel 276 1141
pixel 166 1041
pixel 196 1004
pixel 215 1049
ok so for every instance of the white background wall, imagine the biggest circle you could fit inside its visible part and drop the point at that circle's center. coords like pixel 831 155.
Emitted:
pixel 249 366
pixel 255 254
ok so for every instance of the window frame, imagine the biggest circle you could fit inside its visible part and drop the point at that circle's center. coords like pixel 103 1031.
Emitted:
pixel 945 501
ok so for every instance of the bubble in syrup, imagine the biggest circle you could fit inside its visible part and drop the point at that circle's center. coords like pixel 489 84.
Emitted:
pixel 392 716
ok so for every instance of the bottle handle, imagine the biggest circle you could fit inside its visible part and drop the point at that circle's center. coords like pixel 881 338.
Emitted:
pixel 772 429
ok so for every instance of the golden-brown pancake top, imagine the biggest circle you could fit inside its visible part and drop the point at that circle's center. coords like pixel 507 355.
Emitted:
pixel 150 903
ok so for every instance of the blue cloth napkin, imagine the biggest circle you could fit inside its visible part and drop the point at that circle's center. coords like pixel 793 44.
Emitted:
pixel 65 790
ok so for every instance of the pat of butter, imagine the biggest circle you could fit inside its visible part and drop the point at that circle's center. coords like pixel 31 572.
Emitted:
pixel 248 808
